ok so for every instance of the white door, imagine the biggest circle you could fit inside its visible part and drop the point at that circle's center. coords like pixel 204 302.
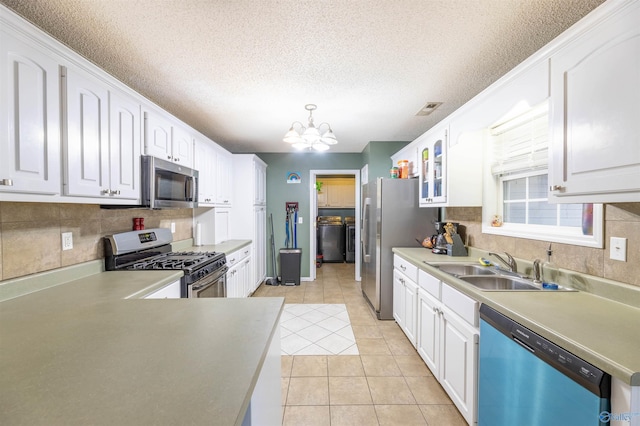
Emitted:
pixel 30 119
pixel 459 362
pixel 429 331
pixel 87 142
pixel 398 297
pixel 410 310
pixel 124 145
pixel 182 147
pixel 595 99
pixel 157 135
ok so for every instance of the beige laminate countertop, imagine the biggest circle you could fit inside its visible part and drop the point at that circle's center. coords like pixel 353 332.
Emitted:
pixel 82 353
pixel 599 330
pixel 226 247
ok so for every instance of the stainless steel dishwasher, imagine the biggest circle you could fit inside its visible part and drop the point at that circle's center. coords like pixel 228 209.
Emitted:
pixel 524 379
pixel 331 238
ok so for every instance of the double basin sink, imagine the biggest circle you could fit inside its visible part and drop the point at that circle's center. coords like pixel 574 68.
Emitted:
pixel 490 278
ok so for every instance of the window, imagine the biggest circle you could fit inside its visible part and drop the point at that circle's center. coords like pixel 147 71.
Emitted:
pixel 516 187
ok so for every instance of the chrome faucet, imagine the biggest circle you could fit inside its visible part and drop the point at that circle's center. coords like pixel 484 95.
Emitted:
pixel 511 263
pixel 537 274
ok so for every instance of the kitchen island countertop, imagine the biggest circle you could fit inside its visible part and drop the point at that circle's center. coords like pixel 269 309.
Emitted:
pixel 82 353
pixel 601 331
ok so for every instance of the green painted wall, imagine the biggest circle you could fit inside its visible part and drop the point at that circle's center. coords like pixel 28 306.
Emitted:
pixel 377 155
pixel 279 192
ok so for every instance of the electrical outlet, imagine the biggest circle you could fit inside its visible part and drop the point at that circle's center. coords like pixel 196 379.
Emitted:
pixel 618 249
pixel 300 220
pixel 67 240
pixel 173 227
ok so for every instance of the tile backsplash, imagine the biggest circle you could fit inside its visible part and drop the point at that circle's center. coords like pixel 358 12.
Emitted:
pixel 30 233
pixel 621 220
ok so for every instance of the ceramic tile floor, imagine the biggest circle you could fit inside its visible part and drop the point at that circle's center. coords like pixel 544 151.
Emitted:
pixel 317 329
pixel 386 383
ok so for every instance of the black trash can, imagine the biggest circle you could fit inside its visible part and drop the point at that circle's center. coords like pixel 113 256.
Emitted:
pixel 290 262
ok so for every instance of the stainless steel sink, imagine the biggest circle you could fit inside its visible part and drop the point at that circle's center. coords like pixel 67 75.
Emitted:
pixel 490 278
pixel 461 269
pixel 498 282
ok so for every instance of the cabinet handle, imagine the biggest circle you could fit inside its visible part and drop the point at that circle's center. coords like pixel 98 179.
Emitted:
pixel 6 182
pixel 403 267
pixel 115 192
pixel 105 191
pixel 169 157
pixel 556 188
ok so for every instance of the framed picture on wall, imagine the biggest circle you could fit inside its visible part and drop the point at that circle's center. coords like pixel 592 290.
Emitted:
pixel 293 177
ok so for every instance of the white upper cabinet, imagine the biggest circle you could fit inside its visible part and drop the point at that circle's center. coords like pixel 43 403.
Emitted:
pixel 433 169
pixel 595 112
pixel 86 135
pixel 337 192
pixel 204 162
pixel 101 139
pixel 259 182
pixel 29 117
pixel 124 145
pixel 167 139
pixel 224 184
pixel 182 147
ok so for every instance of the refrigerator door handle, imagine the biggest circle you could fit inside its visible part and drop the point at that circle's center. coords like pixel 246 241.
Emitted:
pixel 364 233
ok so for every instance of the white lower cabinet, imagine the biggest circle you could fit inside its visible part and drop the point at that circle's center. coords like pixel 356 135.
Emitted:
pixel 240 273
pixel 447 340
pixel 405 297
pixel 170 291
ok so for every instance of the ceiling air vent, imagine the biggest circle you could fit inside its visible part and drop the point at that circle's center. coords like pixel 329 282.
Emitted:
pixel 428 108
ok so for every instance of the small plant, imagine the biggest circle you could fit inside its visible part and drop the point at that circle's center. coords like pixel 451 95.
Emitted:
pixel 318 186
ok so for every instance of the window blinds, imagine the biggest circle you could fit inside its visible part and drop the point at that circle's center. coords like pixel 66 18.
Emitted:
pixel 521 143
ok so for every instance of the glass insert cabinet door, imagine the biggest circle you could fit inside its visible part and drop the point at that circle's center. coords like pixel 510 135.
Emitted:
pixel 433 170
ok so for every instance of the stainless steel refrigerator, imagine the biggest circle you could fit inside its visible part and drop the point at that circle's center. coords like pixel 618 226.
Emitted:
pixel 390 218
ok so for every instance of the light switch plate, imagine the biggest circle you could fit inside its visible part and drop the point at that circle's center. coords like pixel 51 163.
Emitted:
pixel 618 249
pixel 173 227
pixel 299 220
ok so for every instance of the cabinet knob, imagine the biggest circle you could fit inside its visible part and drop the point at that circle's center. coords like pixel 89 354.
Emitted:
pixel 114 192
pixel 6 182
pixel 169 157
pixel 556 188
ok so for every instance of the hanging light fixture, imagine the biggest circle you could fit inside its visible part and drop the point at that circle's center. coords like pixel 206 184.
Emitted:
pixel 310 137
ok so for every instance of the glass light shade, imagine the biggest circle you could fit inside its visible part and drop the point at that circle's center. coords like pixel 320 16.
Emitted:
pixel 291 136
pixel 329 138
pixel 311 134
pixel 301 145
pixel 319 146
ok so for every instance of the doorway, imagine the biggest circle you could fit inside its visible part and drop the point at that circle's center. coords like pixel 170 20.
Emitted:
pixel 313 214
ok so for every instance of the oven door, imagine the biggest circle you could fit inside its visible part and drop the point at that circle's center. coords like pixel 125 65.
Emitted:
pixel 212 285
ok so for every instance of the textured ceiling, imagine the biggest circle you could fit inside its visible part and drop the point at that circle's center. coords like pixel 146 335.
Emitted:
pixel 240 71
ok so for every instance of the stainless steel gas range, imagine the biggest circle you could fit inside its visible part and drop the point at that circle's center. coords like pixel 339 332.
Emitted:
pixel 204 272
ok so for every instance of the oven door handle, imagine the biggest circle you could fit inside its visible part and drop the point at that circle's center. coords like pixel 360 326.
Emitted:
pixel 218 275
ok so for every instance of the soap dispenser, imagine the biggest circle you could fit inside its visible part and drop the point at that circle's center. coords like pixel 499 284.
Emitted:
pixel 549 272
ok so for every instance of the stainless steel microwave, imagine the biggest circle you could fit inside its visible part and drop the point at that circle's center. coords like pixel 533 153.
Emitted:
pixel 168 185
